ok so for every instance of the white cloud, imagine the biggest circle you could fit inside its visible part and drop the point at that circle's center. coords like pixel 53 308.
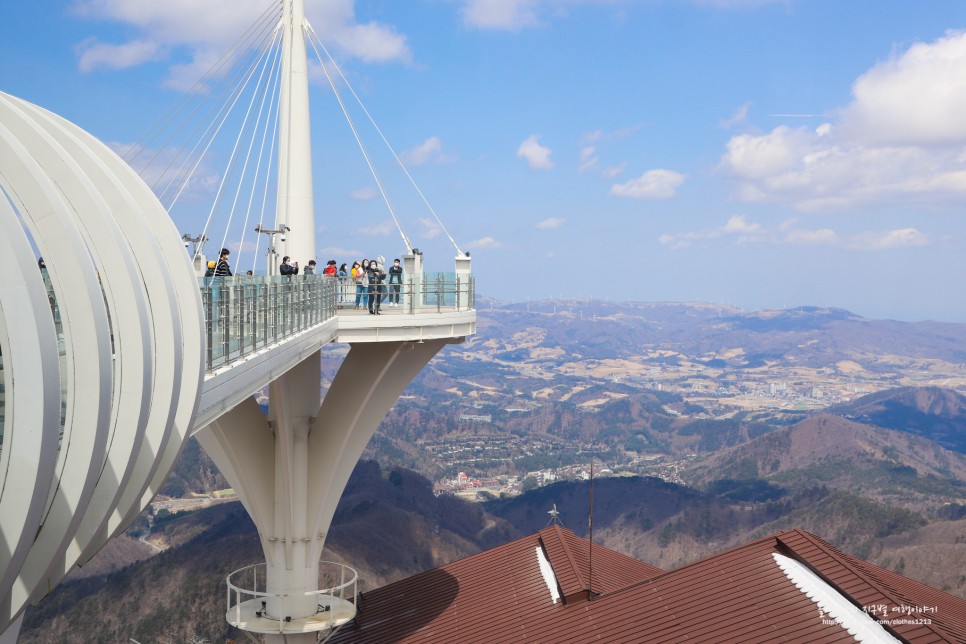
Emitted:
pixel 820 237
pixel 510 15
pixel 887 240
pixel 588 158
pixel 551 223
pixel 916 98
pixel 536 155
pixel 740 116
pixel 739 225
pixel 429 151
pixel 485 242
pixel 612 171
pixel 514 15
pixel 430 230
pixel 653 184
pixel 165 171
pixel 740 231
pixel 363 194
pixel 205 29
pixel 900 140
pixel 347 254
pixel 381 229
pixel 93 54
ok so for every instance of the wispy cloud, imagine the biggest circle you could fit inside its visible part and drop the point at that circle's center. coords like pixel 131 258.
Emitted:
pixel 429 228
pixel 551 223
pixel 613 171
pixel 484 243
pixel 655 185
pixel 429 151
pixel 536 155
pixel 92 54
pixel 889 239
pixel 588 158
pixel 380 229
pixel 511 15
pixel 336 252
pixel 740 116
pixel 739 230
pixel 363 194
pixel 514 15
pixel 204 30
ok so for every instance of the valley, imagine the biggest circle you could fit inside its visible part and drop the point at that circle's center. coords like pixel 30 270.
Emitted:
pixel 706 426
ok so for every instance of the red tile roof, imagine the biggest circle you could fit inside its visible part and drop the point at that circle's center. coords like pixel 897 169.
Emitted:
pixel 740 595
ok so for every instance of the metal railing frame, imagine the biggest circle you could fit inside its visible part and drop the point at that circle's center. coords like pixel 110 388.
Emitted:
pixel 336 592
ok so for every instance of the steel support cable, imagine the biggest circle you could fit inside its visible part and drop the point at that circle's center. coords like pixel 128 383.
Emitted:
pixel 169 115
pixel 161 124
pixel 384 140
pixel 273 83
pixel 231 84
pixel 232 159
pixel 217 201
pixel 362 148
pixel 213 118
pixel 268 169
pixel 194 159
pixel 259 91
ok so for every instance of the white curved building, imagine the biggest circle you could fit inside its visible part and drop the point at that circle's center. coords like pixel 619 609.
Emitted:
pixel 111 356
pixel 102 348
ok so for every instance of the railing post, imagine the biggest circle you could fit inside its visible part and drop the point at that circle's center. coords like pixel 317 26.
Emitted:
pixel 457 292
pixel 439 293
pixel 208 322
pixel 226 318
pixel 241 321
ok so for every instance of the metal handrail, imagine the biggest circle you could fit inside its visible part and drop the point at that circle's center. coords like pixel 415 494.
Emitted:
pixel 339 591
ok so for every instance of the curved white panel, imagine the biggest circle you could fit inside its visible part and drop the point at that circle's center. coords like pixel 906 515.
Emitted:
pixel 131 355
pixel 32 408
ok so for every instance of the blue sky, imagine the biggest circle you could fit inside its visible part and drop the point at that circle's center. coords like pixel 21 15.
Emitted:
pixel 762 154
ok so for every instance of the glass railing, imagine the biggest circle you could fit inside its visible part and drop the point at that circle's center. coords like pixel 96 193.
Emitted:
pixel 246 314
pixel 427 292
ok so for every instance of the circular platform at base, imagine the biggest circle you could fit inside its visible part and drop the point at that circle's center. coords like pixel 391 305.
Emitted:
pixel 248 616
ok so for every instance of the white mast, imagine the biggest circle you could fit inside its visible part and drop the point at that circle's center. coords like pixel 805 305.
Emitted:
pixel 295 207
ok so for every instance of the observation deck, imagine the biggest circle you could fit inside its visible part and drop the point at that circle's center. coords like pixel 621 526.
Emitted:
pixel 251 607
pixel 260 327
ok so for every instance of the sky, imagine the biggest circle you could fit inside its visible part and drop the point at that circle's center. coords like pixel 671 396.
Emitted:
pixel 758 153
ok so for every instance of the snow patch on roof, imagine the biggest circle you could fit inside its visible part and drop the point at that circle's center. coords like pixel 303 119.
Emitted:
pixel 833 604
pixel 548 577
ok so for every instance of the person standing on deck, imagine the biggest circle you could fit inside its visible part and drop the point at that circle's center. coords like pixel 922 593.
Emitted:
pixel 376 276
pixel 395 282
pixel 288 268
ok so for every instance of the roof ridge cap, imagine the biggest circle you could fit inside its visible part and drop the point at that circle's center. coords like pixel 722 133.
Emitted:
pixel 558 532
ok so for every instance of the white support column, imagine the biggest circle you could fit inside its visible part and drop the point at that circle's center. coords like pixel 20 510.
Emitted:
pixel 295 207
pixel 291 467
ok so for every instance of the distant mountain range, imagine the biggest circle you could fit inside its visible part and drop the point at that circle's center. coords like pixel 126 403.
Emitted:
pixel 389 525
pixel 931 412
pixel 807 417
pixel 814 336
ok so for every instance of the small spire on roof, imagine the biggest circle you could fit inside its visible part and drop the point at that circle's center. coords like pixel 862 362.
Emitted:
pixel 554 516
